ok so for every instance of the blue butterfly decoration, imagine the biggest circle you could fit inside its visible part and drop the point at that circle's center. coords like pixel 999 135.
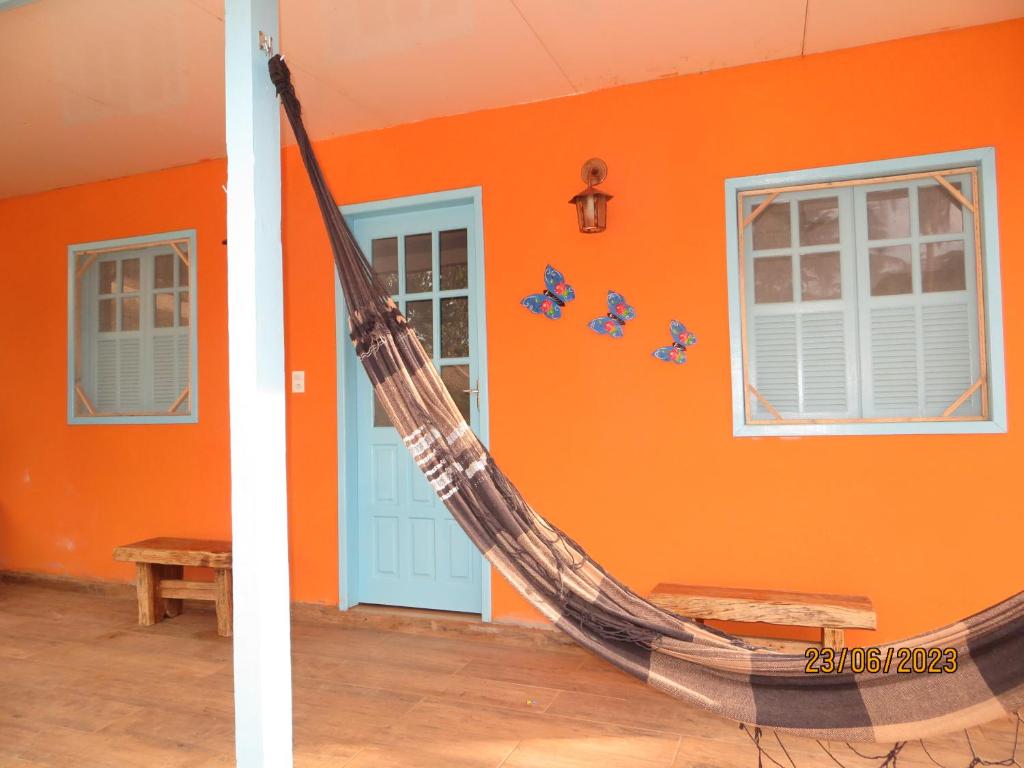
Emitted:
pixel 682 339
pixel 618 313
pixel 557 294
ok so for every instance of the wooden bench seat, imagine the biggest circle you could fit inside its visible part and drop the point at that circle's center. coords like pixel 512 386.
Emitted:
pixel 831 613
pixel 159 567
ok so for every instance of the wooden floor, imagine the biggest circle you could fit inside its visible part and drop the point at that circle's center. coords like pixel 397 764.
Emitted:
pixel 82 685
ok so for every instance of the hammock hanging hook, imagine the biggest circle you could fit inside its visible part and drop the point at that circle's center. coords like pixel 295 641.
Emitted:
pixel 266 43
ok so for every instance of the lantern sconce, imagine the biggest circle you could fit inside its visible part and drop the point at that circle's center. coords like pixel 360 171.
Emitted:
pixel 592 204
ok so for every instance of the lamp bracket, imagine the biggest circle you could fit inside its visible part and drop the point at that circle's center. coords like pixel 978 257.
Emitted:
pixel 594 171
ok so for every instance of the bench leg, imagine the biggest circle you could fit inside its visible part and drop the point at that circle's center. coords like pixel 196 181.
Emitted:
pixel 222 579
pixel 173 606
pixel 150 603
pixel 832 638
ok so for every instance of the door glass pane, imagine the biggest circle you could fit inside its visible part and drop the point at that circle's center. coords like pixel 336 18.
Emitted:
pixel 819 221
pixel 130 275
pixel 384 256
pixel 163 271
pixel 890 270
pixel 771 227
pixel 163 310
pixel 454 259
pixel 380 417
pixel 130 314
pixel 456 379
pixel 107 315
pixel 888 214
pixel 108 277
pixel 820 277
pixel 183 308
pixel 455 327
pixel 418 269
pixel 773 280
pixel 942 267
pixel 939 213
pixel 182 269
pixel 420 315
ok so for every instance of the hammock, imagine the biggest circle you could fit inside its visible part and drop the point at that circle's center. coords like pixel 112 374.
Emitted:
pixel 697 664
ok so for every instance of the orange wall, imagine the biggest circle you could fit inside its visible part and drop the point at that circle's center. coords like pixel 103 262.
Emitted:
pixel 635 458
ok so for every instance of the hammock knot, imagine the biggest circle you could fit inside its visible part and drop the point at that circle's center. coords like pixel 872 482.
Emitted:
pixel 281 77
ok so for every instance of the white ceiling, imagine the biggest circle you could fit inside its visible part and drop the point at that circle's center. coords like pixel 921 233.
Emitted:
pixel 107 88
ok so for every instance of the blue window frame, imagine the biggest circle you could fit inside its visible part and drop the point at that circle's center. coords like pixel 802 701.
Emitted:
pixel 132 330
pixel 865 298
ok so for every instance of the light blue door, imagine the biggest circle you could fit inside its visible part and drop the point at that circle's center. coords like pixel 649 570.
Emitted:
pixel 410 551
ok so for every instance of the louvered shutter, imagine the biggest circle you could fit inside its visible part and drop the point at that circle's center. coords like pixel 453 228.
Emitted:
pixel 919 330
pixel 800 283
pixel 170 367
pixel 137 363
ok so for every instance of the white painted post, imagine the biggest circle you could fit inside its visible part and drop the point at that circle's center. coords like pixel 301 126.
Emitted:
pixel 259 511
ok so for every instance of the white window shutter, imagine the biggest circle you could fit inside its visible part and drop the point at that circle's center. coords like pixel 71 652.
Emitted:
pixel 799 364
pixel 119 375
pixel 823 340
pixel 802 353
pixel 130 375
pixel 919 349
pixel 170 367
pixel 893 362
pixel 949 368
pixel 137 372
pixel 106 373
pixel 775 368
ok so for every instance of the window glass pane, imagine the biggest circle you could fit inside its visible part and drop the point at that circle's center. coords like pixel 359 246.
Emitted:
pixel 942 267
pixel 771 227
pixel 773 280
pixel 455 327
pixel 182 271
pixel 380 417
pixel 384 256
pixel 890 270
pixel 819 221
pixel 163 270
pixel 938 211
pixel 129 275
pixel 419 274
pixel 184 308
pixel 454 259
pixel 888 214
pixel 108 277
pixel 420 315
pixel 163 310
pixel 107 315
pixel 130 313
pixel 820 277
pixel 456 379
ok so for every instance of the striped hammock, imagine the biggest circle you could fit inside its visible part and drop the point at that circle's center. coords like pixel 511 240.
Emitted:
pixel 697 664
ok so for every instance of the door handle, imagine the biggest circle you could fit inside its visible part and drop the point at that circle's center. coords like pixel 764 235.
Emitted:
pixel 474 391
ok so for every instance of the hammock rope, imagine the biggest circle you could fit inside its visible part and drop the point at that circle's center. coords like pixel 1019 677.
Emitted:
pixel 700 665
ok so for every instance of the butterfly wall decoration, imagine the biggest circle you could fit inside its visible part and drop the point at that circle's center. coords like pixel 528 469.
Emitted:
pixel 681 339
pixel 619 311
pixel 557 293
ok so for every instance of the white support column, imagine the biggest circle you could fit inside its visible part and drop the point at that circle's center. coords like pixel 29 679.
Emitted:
pixel 259 512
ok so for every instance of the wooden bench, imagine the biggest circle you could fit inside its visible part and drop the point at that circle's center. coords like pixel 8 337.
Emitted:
pixel 832 613
pixel 159 567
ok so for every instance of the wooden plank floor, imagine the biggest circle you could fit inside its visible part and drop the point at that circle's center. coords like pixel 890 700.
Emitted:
pixel 81 684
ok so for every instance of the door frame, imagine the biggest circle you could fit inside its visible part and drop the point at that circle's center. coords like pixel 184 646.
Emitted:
pixel 348 368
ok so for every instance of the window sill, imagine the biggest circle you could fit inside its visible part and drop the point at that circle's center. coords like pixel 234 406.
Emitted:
pixel 990 427
pixel 191 418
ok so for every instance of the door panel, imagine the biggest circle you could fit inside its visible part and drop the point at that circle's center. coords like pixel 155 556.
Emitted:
pixel 410 550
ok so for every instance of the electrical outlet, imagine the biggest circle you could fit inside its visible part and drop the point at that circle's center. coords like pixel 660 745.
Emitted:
pixel 298 382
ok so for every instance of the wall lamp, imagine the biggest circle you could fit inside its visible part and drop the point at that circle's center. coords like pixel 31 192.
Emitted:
pixel 592 204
